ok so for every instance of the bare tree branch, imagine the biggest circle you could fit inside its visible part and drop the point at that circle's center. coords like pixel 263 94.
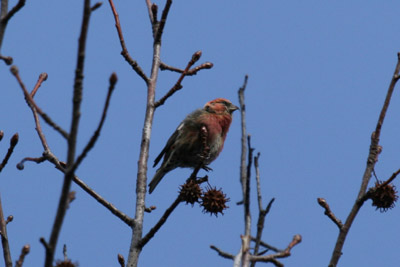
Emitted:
pixel 25 251
pixel 223 254
pixel 32 104
pixel 13 143
pixel 265 245
pixel 244 135
pixel 12 12
pixel 206 65
pixel 195 57
pixel 371 161
pixel 121 260
pixel 135 66
pixel 328 212
pixel 4 239
pixel 77 99
pixel 283 254
pixel 93 139
pixel 160 222
pixel 160 28
pixel 5 16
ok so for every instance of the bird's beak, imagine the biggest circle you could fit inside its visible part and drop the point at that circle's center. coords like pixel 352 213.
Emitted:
pixel 232 108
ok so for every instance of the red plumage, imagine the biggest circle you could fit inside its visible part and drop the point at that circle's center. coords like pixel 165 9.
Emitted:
pixel 184 147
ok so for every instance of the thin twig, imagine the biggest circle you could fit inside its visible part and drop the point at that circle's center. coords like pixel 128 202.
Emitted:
pixel 7 60
pixel 96 134
pixel 267 246
pixel 257 168
pixel 223 253
pixel 42 77
pixel 21 164
pixel 152 16
pixel 24 251
pixel 121 260
pixel 206 65
pixel 388 181
pixel 260 227
pixel 32 104
pixel 13 143
pixel 135 66
pixel 371 161
pixel 4 239
pixel 328 212
pixel 283 254
pixel 163 20
pixel 165 216
pixel 160 223
pixel 96 6
pixel 195 57
pixel 5 16
pixel 15 9
pixel 125 218
pixel 72 138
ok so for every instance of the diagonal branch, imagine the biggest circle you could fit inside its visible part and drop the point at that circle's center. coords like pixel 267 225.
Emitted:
pixel 328 212
pixel 11 13
pixel 191 72
pixel 371 161
pixel 135 66
pixel 195 57
pixel 93 139
pixel 282 254
pixel 32 104
pixel 13 143
pixel 160 223
pixel 223 254
pixel 4 239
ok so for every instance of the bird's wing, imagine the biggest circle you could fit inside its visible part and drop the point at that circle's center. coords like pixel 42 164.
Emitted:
pixel 169 144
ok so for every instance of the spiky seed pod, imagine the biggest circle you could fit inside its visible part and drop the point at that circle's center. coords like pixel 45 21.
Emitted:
pixel 384 197
pixel 190 192
pixel 214 201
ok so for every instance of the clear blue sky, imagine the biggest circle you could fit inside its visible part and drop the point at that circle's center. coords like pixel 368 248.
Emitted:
pixel 318 75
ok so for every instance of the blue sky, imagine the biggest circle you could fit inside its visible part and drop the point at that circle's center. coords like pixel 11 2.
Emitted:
pixel 318 74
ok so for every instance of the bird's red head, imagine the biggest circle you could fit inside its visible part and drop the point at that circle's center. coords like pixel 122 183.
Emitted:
pixel 220 106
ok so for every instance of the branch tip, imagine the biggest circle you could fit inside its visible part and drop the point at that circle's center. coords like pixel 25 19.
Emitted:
pixel 14 70
pixel 113 78
pixel 196 56
pixel 10 218
pixel 96 6
pixel 14 140
pixel 121 260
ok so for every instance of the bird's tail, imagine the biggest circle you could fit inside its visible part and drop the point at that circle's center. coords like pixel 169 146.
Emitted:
pixel 156 179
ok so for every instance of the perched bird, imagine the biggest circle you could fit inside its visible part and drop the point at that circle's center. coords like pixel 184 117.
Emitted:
pixel 185 146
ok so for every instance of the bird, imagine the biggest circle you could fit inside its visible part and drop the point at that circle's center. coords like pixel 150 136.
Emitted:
pixel 184 147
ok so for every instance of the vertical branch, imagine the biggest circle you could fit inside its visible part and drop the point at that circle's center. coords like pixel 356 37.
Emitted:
pixel 243 138
pixel 247 215
pixel 5 16
pixel 77 99
pixel 243 255
pixel 141 180
pixel 371 161
pixel 4 239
